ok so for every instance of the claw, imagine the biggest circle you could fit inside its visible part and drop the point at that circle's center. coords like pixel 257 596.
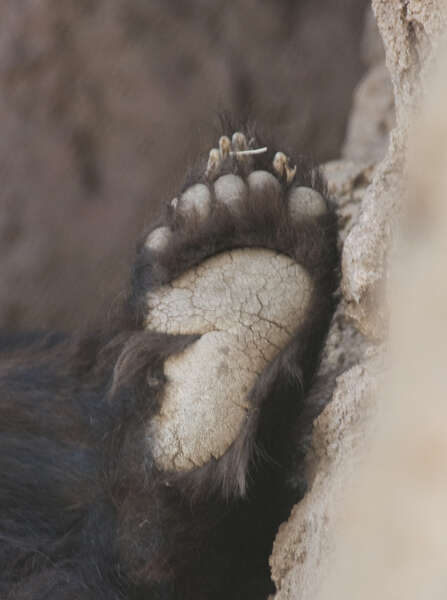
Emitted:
pixel 239 141
pixel 290 173
pixel 281 166
pixel 241 151
pixel 224 146
pixel 213 165
pixel 237 148
pixel 279 163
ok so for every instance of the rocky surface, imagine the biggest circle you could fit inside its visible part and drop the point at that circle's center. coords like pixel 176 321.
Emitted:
pixel 372 116
pixel 391 538
pixel 305 545
pixel 411 32
pixel 382 543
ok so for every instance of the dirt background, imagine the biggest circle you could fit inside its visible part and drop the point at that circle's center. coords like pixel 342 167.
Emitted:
pixel 105 103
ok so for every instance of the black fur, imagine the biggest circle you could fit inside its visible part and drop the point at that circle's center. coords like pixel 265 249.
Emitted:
pixel 84 512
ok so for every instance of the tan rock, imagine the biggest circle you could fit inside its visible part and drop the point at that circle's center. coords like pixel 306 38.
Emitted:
pixel 347 181
pixel 305 545
pixel 388 539
pixel 372 116
pixel 411 33
pixel 391 538
pixel 372 119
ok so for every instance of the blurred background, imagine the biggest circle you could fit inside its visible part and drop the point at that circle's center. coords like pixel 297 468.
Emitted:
pixel 105 103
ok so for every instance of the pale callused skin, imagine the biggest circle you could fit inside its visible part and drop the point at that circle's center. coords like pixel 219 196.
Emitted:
pixel 246 304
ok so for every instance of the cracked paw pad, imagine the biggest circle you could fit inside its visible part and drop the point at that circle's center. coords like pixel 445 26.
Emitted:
pixel 246 304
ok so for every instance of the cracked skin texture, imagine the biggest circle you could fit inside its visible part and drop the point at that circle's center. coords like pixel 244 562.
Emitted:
pixel 246 304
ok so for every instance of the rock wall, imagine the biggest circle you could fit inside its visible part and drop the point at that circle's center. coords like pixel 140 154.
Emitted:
pixel 376 544
pixel 411 32
pixel 392 533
